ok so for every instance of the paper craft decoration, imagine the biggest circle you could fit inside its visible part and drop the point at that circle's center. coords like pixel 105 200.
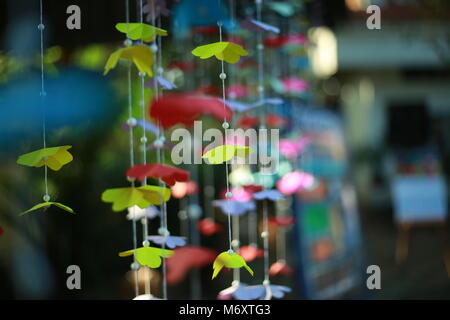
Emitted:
pixel 233 207
pixel 208 227
pixel 273 195
pixel 46 205
pixel 186 258
pixel 169 241
pixel 148 256
pixel 242 107
pixel 294 182
pixel 273 120
pixel 241 195
pixel 146 297
pixel 2 231
pixel 248 122
pixel 282 221
pixel 140 31
pixel 227 294
pixel 292 148
pixel 280 267
pixel 142 197
pixel 136 213
pixel 166 84
pixel 229 260
pixel 259 292
pixel 55 158
pixel 225 51
pixel 181 189
pixel 237 91
pixel 166 173
pixel 250 253
pixel 225 153
pixel 141 56
pixel 258 26
pixel 155 9
pixel 183 108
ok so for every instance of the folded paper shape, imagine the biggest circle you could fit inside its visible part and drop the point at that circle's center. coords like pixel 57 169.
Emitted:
pixel 142 197
pixel 258 26
pixel 208 227
pixel 250 253
pixel 260 292
pixel 229 259
pixel 54 158
pixel 273 195
pixel 148 256
pixel 186 258
pixel 46 205
pixel 166 173
pixel 135 213
pixel 225 51
pixel 181 108
pixel 233 207
pixel 280 267
pixel 140 31
pixel 169 241
pixel 225 153
pixel 140 55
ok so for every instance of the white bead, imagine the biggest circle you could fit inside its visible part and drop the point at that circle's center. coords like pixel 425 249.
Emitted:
pixel 132 122
pixel 230 251
pixel 160 70
pixel 258 1
pixel 260 46
pixel 260 89
pixel 158 143
pixel 131 179
pixel 144 139
pixel 163 232
pixel 235 283
pixel 46 198
pixel 264 234
pixel 235 243
pixel 41 26
pixel 225 125
pixel 233 95
pixel 182 214
pixel 194 211
pixel 128 43
pixel 43 93
pixel 223 76
pixel 228 195
pixel 142 74
pixel 266 282
pixel 135 266
pixel 154 48
pixel 146 243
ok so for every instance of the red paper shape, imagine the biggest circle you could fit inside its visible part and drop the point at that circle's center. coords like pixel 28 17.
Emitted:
pixel 182 108
pixel 250 253
pixel 208 227
pixel 186 258
pixel 280 267
pixel 274 120
pixel 282 221
pixel 248 122
pixel 2 231
pixel 168 174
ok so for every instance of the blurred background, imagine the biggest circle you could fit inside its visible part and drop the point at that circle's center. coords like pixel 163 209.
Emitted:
pixel 374 104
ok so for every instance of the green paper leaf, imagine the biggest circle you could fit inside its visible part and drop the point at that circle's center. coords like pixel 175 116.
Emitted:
pixel 46 205
pixel 55 158
pixel 225 153
pixel 226 51
pixel 141 31
pixel 148 256
pixel 229 260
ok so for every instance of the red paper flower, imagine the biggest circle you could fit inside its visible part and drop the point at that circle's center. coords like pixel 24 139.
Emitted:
pixel 208 227
pixel 237 91
pixel 185 259
pixel 248 122
pixel 168 174
pixel 250 253
pixel 282 221
pixel 280 267
pixel 1 231
pixel 274 120
pixel 180 108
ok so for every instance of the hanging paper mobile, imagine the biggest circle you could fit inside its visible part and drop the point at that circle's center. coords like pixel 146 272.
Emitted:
pixel 229 260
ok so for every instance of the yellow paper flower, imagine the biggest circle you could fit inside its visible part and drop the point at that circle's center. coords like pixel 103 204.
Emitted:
pixel 46 205
pixel 227 51
pixel 148 256
pixel 140 31
pixel 225 153
pixel 55 158
pixel 141 56
pixel 123 198
pixel 229 260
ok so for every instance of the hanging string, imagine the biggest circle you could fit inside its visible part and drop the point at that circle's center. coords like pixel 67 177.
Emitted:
pixel 225 125
pixel 131 123
pixel 43 94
